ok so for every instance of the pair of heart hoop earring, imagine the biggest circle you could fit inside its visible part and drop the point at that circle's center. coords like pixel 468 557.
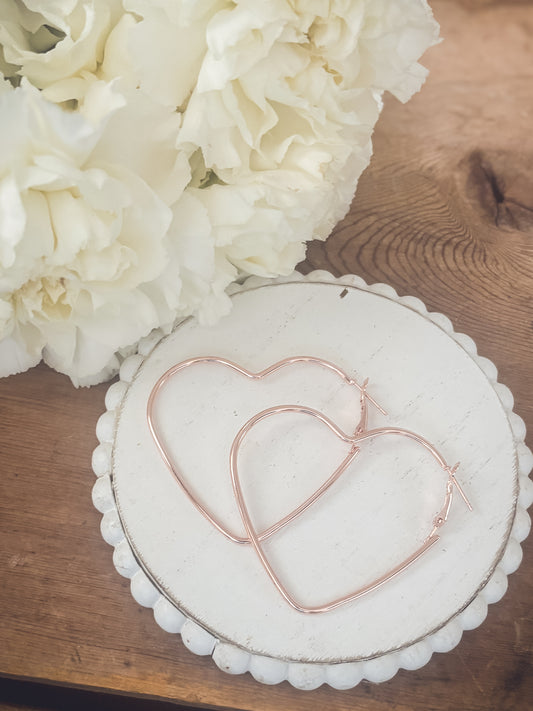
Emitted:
pixel 360 434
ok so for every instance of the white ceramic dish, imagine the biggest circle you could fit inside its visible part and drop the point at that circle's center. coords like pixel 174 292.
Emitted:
pixel 214 592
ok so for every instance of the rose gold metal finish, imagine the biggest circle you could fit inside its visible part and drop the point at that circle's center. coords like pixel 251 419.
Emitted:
pixel 354 440
pixel 177 474
pixel 361 434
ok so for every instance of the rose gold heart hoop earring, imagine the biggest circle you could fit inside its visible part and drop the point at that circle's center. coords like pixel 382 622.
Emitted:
pixel 174 469
pixel 354 440
pixel 360 434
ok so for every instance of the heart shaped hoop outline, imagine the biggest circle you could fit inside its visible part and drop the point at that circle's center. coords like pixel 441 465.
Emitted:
pixel 359 436
pixel 182 482
pixel 361 433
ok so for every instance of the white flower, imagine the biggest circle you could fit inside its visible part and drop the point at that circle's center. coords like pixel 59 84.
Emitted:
pixel 163 52
pixel 49 41
pixel 139 134
pixel 195 142
pixel 282 116
pixel 85 266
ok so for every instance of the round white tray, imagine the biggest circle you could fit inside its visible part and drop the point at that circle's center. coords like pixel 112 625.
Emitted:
pixel 215 592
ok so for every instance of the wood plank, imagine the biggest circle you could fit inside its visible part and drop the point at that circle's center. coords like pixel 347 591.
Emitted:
pixel 445 213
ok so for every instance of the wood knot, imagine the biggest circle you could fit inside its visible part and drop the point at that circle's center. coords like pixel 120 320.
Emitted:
pixel 502 184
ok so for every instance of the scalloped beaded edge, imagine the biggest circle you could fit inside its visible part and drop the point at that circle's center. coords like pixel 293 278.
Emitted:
pixel 234 660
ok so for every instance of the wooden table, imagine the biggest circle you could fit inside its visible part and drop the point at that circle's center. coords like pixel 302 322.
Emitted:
pixel 445 213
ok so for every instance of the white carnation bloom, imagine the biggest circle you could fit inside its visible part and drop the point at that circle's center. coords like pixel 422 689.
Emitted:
pixel 283 111
pixel 139 134
pixel 206 140
pixel 85 264
pixel 162 52
pixel 53 42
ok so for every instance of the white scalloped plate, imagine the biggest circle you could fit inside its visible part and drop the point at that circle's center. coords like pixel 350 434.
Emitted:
pixel 214 593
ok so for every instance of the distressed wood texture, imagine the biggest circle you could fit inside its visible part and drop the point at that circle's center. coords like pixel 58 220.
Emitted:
pixel 445 213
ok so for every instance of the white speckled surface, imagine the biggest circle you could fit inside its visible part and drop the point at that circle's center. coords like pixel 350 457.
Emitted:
pixel 426 376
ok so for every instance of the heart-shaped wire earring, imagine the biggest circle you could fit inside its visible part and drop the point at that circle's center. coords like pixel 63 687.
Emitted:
pixel 361 433
pixel 181 480
pixel 359 436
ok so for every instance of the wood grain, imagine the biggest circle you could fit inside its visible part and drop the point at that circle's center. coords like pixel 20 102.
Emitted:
pixel 445 213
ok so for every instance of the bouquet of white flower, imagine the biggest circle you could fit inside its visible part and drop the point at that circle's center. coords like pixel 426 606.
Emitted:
pixel 153 151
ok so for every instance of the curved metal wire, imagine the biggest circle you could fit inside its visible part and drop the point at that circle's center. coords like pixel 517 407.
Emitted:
pixel 360 434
